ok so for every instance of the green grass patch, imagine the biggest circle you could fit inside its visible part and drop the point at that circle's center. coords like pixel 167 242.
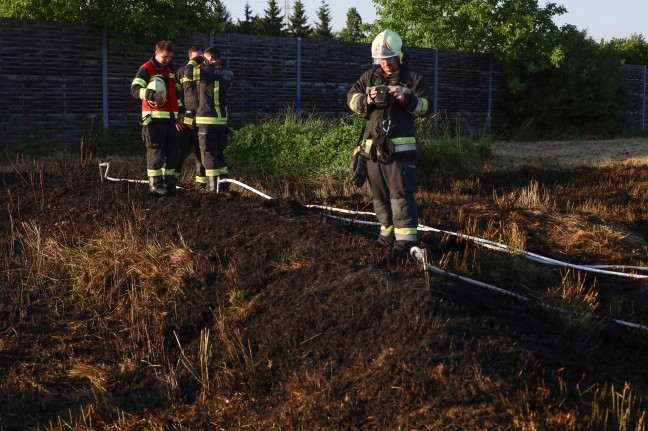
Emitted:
pixel 308 148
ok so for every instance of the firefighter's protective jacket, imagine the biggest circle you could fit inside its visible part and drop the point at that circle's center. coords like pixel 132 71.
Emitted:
pixel 172 106
pixel 188 77
pixel 397 118
pixel 215 82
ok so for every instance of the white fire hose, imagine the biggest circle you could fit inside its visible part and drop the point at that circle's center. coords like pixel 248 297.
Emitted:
pixel 103 173
pixel 598 269
pixel 419 254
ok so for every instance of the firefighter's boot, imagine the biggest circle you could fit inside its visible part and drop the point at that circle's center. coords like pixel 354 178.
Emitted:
pixel 212 184
pixel 156 185
pixel 171 182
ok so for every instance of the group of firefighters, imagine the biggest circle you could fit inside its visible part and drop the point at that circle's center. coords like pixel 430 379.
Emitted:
pixel 192 115
pixel 390 95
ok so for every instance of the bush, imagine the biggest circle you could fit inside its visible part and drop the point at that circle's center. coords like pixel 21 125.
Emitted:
pixel 296 146
pixel 310 149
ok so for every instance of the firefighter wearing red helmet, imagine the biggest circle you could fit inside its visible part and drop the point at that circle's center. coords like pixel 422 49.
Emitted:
pixel 391 95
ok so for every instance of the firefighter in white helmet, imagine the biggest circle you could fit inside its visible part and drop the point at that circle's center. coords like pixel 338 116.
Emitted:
pixel 391 95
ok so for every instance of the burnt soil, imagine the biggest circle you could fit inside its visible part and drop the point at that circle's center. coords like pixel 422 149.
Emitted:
pixel 331 336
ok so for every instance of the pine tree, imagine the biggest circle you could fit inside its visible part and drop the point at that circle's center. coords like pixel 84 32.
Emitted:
pixel 273 23
pixel 323 26
pixel 353 30
pixel 298 27
pixel 247 26
pixel 218 19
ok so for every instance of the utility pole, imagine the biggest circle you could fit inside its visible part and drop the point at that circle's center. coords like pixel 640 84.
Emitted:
pixel 286 10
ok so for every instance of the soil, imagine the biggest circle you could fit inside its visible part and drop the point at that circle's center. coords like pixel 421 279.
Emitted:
pixel 330 335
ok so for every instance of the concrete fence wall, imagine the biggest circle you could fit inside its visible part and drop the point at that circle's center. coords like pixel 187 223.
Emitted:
pixel 59 81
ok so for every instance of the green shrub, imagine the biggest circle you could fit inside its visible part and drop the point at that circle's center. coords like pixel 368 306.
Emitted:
pixel 295 146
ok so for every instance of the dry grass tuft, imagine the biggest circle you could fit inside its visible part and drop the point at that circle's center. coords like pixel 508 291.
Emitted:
pixel 529 197
pixel 97 375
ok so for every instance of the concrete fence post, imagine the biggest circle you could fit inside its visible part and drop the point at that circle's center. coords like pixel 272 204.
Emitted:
pixel 643 117
pixel 298 89
pixel 490 93
pixel 104 74
pixel 436 83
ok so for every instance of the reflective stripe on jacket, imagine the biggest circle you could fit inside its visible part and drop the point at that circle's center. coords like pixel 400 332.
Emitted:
pixel 139 91
pixel 188 77
pixel 397 117
pixel 215 82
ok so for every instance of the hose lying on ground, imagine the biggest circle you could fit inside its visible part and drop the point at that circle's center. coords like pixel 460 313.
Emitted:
pixel 597 269
pixel 107 165
pixel 419 255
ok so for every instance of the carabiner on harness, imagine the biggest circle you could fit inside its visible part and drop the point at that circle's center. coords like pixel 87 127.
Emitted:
pixel 386 125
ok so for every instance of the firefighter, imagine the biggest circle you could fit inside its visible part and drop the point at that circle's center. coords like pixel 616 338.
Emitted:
pixel 161 121
pixel 211 118
pixel 189 135
pixel 391 95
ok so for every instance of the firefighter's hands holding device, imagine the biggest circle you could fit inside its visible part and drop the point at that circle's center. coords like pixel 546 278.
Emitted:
pixel 383 95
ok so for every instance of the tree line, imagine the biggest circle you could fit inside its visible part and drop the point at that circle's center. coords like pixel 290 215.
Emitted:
pixel 165 19
pixel 560 80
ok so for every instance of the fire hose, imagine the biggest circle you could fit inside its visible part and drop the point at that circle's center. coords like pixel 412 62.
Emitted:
pixel 104 167
pixel 598 269
pixel 420 254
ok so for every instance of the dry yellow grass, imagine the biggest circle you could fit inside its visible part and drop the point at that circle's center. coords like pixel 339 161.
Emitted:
pixel 568 154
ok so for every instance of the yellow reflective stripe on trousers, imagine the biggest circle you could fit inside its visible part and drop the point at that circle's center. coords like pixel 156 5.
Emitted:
pixel 212 172
pixel 154 172
pixel 405 234
pixel 211 120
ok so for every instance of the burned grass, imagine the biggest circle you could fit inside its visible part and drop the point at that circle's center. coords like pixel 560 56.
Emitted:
pixel 121 310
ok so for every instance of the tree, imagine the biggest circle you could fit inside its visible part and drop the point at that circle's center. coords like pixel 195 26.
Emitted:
pixel 217 19
pixel 250 22
pixel 133 20
pixel 582 92
pixel 513 29
pixel 558 79
pixel 632 51
pixel 272 23
pixel 352 32
pixel 298 27
pixel 323 29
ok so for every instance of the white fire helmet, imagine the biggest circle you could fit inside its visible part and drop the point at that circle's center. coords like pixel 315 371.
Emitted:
pixel 386 45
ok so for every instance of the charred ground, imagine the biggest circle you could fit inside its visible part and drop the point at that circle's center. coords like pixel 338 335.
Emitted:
pixel 309 327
